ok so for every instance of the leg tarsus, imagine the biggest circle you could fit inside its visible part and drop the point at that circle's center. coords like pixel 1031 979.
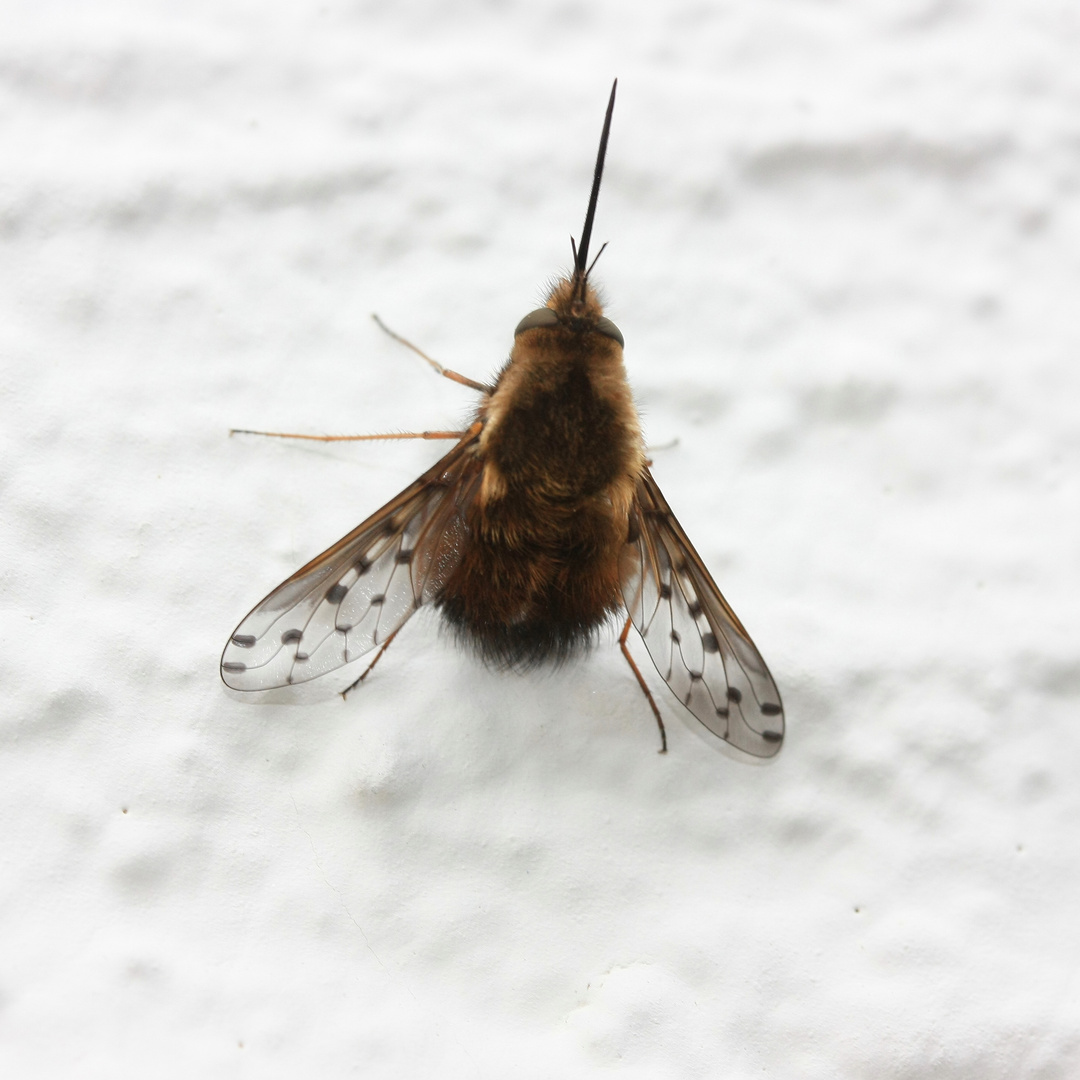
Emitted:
pixel 367 671
pixel 445 372
pixel 644 687
pixel 351 438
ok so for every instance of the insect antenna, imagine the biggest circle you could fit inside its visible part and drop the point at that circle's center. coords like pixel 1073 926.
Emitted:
pixel 581 251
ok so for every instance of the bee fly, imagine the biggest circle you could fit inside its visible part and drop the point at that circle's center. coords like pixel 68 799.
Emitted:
pixel 538 527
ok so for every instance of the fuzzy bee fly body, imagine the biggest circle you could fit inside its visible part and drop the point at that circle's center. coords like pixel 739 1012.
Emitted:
pixel 535 531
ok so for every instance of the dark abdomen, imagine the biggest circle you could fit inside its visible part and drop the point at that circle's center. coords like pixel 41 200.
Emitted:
pixel 528 596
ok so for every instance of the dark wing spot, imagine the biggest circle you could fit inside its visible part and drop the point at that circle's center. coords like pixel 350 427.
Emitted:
pixel 404 557
pixel 301 656
pixel 665 591
pixel 342 629
pixel 771 736
pixel 734 694
pixel 694 608
pixel 709 642
pixel 336 593
pixel 389 529
pixel 290 636
pixel 695 676
pixel 245 641
pixel 722 710
pixel 233 665
pixel 675 636
pixel 377 600
pixel 769 709
pixel 363 565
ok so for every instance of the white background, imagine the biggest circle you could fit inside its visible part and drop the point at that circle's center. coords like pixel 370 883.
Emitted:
pixel 845 254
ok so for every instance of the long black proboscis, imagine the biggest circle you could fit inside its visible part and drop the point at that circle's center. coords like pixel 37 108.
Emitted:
pixel 581 252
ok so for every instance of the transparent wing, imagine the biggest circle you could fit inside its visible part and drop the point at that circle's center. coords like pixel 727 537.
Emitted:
pixel 352 597
pixel 695 640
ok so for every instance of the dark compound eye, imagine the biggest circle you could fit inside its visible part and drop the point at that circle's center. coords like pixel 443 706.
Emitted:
pixel 545 317
pixel 540 317
pixel 606 327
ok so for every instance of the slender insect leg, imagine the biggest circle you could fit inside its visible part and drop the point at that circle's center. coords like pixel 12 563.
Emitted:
pixel 641 682
pixel 445 372
pixel 367 670
pixel 352 438
pixel 650 450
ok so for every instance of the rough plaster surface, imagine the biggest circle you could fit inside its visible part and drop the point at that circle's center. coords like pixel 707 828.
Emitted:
pixel 845 254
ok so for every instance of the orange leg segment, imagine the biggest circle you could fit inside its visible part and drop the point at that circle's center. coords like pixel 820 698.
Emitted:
pixel 367 670
pixel 352 438
pixel 445 372
pixel 641 682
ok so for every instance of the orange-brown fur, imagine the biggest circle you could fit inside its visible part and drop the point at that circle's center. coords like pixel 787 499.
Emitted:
pixel 560 453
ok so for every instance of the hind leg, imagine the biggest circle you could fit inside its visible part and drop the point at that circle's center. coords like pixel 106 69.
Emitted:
pixel 367 670
pixel 641 682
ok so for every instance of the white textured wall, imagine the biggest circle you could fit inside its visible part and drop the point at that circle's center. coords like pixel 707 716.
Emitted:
pixel 845 253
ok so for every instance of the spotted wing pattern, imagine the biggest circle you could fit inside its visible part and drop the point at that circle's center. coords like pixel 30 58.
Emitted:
pixel 695 640
pixel 354 596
